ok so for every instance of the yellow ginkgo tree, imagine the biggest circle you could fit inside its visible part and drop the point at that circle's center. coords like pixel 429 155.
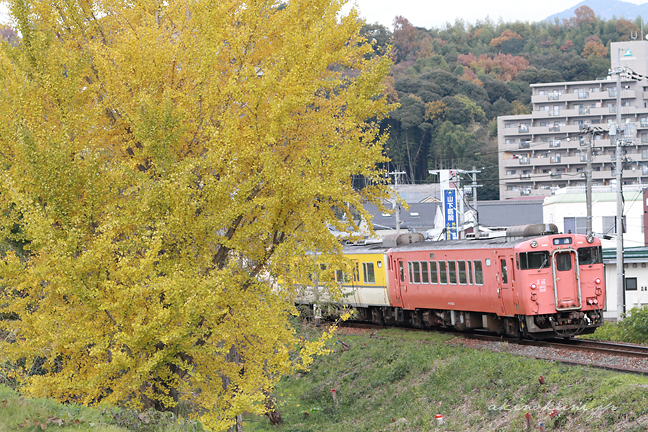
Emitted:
pixel 161 163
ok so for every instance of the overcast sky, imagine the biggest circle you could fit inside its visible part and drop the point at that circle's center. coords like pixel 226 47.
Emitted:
pixel 435 13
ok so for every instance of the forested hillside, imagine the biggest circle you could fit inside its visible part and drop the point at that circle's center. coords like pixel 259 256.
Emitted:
pixel 453 82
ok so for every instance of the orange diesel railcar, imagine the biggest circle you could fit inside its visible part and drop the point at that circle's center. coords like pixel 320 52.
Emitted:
pixel 533 282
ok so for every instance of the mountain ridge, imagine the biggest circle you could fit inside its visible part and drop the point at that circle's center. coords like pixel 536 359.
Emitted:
pixel 606 9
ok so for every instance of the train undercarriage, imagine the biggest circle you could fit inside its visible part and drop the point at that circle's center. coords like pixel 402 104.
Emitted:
pixel 560 324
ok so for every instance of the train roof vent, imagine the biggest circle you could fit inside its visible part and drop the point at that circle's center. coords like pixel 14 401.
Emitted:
pixel 531 230
pixel 393 240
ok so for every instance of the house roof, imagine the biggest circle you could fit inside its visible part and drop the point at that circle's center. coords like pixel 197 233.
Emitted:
pixel 419 216
pixel 630 255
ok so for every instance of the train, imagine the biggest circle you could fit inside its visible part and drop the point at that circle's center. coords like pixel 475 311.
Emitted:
pixel 533 282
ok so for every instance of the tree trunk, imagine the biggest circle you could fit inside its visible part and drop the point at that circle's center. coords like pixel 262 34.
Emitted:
pixel 273 414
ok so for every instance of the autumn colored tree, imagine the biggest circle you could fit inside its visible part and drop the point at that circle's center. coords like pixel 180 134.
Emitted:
pixel 162 164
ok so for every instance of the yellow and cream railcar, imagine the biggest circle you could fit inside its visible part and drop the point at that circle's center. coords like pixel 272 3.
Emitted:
pixel 365 285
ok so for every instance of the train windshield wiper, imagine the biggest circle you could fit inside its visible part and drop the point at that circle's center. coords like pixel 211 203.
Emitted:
pixel 543 263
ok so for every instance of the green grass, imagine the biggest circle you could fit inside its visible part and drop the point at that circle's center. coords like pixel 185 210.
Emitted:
pixel 26 414
pixel 399 380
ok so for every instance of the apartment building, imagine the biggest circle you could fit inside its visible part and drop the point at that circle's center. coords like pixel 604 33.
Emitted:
pixel 546 150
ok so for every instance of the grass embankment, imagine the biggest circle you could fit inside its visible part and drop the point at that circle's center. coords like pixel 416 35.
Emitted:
pixel 398 381
pixel 25 414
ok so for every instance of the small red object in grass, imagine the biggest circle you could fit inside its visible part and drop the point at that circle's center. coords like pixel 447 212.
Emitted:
pixel 541 379
pixel 553 413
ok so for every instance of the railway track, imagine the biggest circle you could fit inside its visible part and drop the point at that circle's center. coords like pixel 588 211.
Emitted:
pixel 599 349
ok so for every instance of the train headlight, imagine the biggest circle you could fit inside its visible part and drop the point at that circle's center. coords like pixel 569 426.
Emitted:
pixel 533 286
pixel 534 243
pixel 590 238
pixel 597 281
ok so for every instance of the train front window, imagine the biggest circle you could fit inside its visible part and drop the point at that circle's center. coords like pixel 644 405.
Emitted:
pixel 534 260
pixel 563 261
pixel 590 255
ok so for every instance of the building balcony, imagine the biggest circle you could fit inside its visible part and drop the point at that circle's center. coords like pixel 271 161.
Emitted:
pixel 555 128
pixel 525 144
pixel 525 176
pixel 524 160
pixel 555 143
pixel 555 175
pixel 555 159
pixel 523 129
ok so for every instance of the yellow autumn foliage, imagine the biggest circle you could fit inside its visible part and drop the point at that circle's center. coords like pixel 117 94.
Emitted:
pixel 161 163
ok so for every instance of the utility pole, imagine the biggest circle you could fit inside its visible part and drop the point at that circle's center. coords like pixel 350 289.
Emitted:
pixel 619 196
pixel 396 174
pixel 588 182
pixel 474 197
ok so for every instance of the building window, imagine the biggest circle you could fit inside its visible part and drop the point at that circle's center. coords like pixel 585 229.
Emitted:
pixel 631 284
pixel 609 224
pixel 509 125
pixel 575 225
pixel 510 172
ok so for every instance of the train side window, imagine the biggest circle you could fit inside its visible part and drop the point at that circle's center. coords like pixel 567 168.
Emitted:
pixel 424 272
pixel 356 273
pixel 417 272
pixel 409 266
pixel 433 272
pixel 402 271
pixel 452 269
pixel 470 276
pixel 563 261
pixel 443 275
pixel 463 280
pixel 339 276
pixel 504 275
pixel 368 272
pixel 479 276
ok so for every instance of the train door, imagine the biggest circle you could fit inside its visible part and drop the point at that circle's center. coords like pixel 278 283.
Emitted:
pixel 355 280
pixel 566 276
pixel 505 286
pixel 400 282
